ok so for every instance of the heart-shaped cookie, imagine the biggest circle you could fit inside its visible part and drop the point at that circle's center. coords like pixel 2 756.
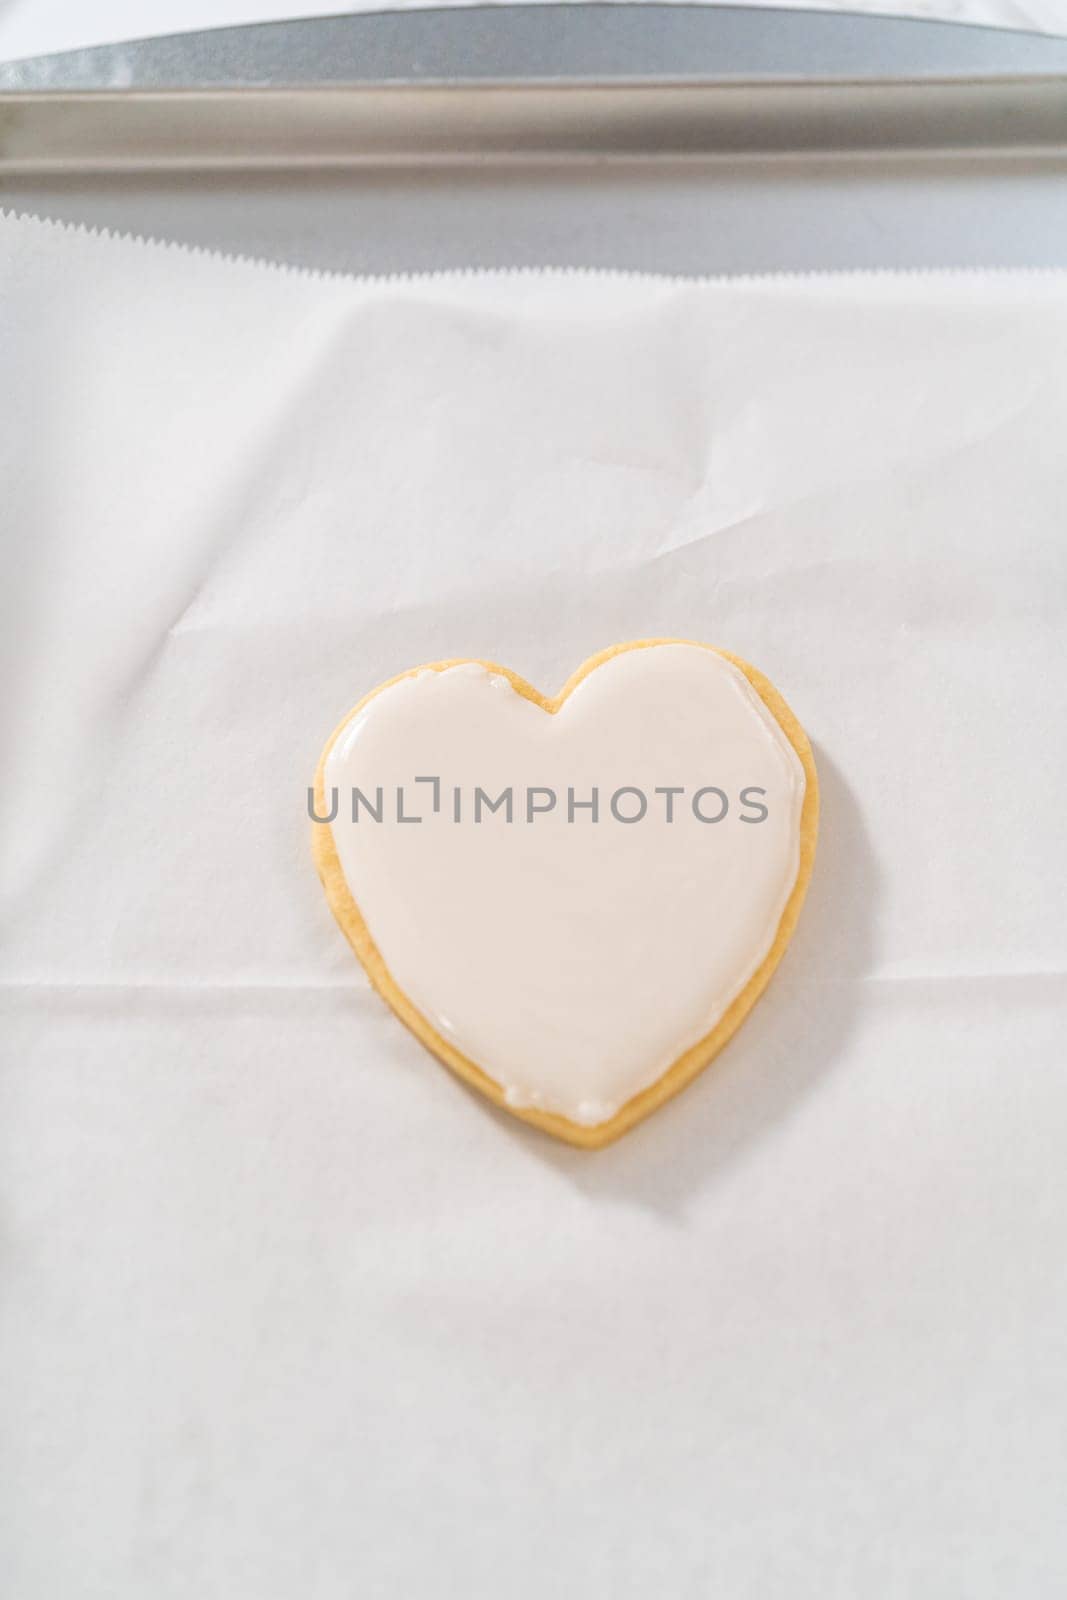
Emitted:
pixel 574 902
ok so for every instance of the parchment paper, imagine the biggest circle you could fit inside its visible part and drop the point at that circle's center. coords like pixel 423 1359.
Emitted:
pixel 287 1310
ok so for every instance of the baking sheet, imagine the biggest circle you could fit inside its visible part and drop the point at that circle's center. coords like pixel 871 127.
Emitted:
pixel 34 27
pixel 287 1308
pixel 778 152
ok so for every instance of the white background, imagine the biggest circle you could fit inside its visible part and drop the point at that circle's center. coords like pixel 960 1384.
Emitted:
pixel 288 1311
pixel 32 27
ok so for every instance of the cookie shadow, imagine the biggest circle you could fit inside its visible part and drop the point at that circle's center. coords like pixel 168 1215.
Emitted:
pixel 794 1036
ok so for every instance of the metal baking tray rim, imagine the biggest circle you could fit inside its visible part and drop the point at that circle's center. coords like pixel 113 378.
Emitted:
pixel 462 122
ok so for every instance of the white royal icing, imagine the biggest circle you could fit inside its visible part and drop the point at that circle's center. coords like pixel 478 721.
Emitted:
pixel 573 961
